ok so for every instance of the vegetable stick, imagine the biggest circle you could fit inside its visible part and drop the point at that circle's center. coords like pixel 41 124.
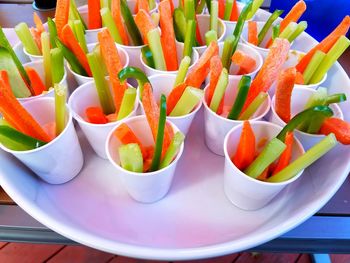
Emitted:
pixel 275 34
pixel 57 70
pixel 235 12
pixel 215 71
pixel 94 16
pixel 326 43
pixel 253 106
pixel 188 101
pixel 108 21
pixel 214 12
pixel 35 81
pixel 315 61
pixel 299 79
pixel 45 43
pixel 172 150
pixel 289 30
pixel 189 10
pixel 80 33
pixel 198 34
pixel 26 38
pixel 147 56
pixel 221 8
pixel 268 24
pixel 38 23
pixel 253 32
pixel 339 127
pixel 300 29
pixel 127 103
pixel 255 6
pixel 179 24
pixel 245 152
pixel 73 12
pixel 294 14
pixel 52 32
pixel 210 36
pixel 335 98
pixel 95 115
pixel 219 91
pixel 126 136
pixel 36 37
pixel 183 68
pixel 189 38
pixel 274 61
pixel 286 156
pixel 168 35
pixel 131 157
pixel 200 6
pixel 155 18
pixel 60 107
pixel 174 96
pixel 227 51
pixel 243 88
pixel 71 42
pixel 283 95
pixel 142 5
pixel 117 17
pixel 145 24
pixel 133 31
pixel 61 16
pixel 155 45
pixel 245 62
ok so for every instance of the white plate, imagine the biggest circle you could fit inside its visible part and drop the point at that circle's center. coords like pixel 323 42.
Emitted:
pixel 195 220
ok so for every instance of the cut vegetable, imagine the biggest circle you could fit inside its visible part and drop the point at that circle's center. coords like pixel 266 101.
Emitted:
pixel 147 56
pixel 256 5
pixel 335 98
pixel 243 88
pixel 127 103
pixel 173 149
pixel 214 12
pixel 136 73
pixel 235 12
pixel 189 9
pixel 300 29
pixel 27 40
pixel 189 38
pixel 179 24
pixel 127 136
pixel 253 33
pixel 174 96
pixel 61 16
pixel 60 107
pixel 131 158
pixel 245 62
pixel 181 74
pixel 286 156
pixel 228 9
pixel 36 83
pixel 95 115
pixel 219 90
pixel 188 101
pixel 156 48
pixel 80 32
pixel 311 68
pixel 130 24
pixel 117 17
pixel 57 69
pixel 294 14
pixel 253 106
pixel 108 21
pixel 45 43
pixel 145 24
pixel 339 127
pixel 227 51
pixel 268 24
pixel 289 30
pixel 210 36
pixel 215 71
pixel 94 16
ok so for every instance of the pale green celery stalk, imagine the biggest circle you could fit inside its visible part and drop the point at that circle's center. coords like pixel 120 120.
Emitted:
pixel 45 45
pixel 275 31
pixel 155 18
pixel 300 29
pixel 183 68
pixel 108 21
pixel 220 89
pixel 187 102
pixel 172 150
pixel 60 107
pixel 268 24
pixel 75 14
pixel 189 10
pixel 131 157
pixel 151 4
pixel 189 38
pixel 256 5
pixel 4 122
pixel 97 51
pixel 103 91
pixel 214 13
pixel 332 56
pixel 52 32
pixel 57 69
pixel 200 7
pixel 315 61
pixel 253 106
pixel 228 9
pixel 210 36
pixel 155 45
pixel 268 155
pixel 80 31
pixel 127 104
pixel 71 25
pixel 27 39
pixel 305 160
pixel 289 30
pixel 104 4
pixel 227 51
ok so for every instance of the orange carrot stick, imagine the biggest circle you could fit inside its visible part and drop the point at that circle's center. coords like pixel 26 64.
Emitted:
pixel 174 97
pixel 326 43
pixel 200 70
pixel 198 34
pixel 95 115
pixel 145 24
pixel 221 8
pixel 171 6
pixel 235 12
pixel 35 81
pixel 38 23
pixel 71 42
pixel 168 35
pixel 340 128
pixel 294 14
pixel 142 5
pixel 245 62
pixel 118 20
pixel 215 71
pixel 61 15
pixel 286 155
pixel 94 16
pixel 245 152
pixel 299 78
pixel 111 58
pixel 274 61
pixel 36 36
pixel 285 84
pixel 253 32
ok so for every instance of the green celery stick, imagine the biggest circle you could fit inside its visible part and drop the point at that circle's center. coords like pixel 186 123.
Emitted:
pixel 311 68
pixel 73 11
pixel 256 5
pixel 151 4
pixel 275 31
pixel 228 9
pixel 60 107
pixel 243 88
pixel 227 51
pixel 103 91
pixel 155 45
pixel 189 10
pixel 179 24
pixel 131 157
pixel 187 102
pixel 57 65
pixel 27 39
pixel 71 25
pixel 189 38
pixel 335 98
pixel 80 31
pixel 105 4
pixel 97 51
pixel 147 56
pixel 316 99
pixel 220 89
pixel 45 44
pixel 304 161
pixel 17 141
pixel 200 7
pixel 289 30
pixel 214 13
pixel 130 24
pixel 160 135
pixel 210 36
pixel 172 150
pixel 110 24
pixel 268 155
pixel 18 86
pixel 183 68
pixel 268 24
pixel 332 56
pixel 300 29
pixel 155 18
pixel 71 58
pixel 52 31
pixel 253 106
pixel 127 104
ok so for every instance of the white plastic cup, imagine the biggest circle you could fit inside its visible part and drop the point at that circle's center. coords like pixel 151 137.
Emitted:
pixel 143 187
pixel 86 96
pixel 163 84
pixel 132 4
pixel 32 57
pixel 216 127
pixel 243 191
pixel 38 65
pixel 18 49
pixel 90 34
pixel 80 79
pixel 179 52
pixel 300 96
pixel 60 160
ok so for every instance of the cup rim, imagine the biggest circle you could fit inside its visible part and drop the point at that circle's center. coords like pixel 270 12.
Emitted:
pixel 272 184
pixel 68 124
pixel 240 5
pixel 30 55
pixel 154 173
